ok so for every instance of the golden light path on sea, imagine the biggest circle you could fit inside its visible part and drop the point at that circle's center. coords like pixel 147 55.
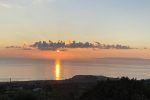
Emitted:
pixel 57 70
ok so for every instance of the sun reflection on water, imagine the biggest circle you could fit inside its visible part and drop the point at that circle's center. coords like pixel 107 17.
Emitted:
pixel 57 70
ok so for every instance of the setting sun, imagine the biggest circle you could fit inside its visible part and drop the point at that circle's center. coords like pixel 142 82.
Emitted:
pixel 58 51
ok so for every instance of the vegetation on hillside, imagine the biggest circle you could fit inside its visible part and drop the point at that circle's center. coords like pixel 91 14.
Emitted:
pixel 110 89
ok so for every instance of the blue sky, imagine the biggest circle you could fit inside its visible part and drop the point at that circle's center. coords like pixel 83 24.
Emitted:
pixel 108 21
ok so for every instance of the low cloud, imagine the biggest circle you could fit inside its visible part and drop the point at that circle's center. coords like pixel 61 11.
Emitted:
pixel 19 47
pixel 43 45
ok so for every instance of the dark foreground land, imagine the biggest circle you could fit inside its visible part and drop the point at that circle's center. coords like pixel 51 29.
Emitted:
pixel 78 88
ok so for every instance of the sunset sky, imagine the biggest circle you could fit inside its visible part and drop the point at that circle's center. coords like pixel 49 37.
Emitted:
pixel 109 21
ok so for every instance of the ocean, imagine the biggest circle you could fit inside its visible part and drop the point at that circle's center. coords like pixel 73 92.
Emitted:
pixel 57 69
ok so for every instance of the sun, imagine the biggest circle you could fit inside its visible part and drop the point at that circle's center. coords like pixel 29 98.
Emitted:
pixel 58 51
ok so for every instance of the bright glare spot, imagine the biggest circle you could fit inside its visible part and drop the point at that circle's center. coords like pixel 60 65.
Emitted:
pixel 58 51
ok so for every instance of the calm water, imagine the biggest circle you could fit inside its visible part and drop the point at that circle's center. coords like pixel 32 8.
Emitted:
pixel 57 69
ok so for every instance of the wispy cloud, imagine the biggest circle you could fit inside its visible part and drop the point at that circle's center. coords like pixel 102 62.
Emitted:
pixel 5 5
pixel 11 3
pixel 22 3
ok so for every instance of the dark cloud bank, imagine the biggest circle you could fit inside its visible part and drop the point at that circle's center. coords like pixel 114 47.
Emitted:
pixel 50 45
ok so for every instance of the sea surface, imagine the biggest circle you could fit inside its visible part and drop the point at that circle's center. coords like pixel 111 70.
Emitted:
pixel 57 69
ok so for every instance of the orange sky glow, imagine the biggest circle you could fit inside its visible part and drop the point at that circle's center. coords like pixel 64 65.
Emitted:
pixel 74 54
